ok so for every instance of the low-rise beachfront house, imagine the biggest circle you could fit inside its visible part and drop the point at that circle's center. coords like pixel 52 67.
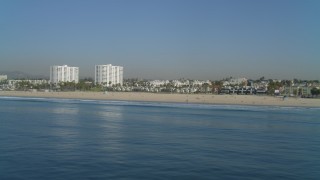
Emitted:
pixel 298 91
pixel 235 82
pixel 64 74
pixel 180 83
pixel 261 91
pixel 3 77
pixel 13 84
pixel 158 83
pixel 238 90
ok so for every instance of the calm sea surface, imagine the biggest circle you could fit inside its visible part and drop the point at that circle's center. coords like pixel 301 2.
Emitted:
pixel 77 139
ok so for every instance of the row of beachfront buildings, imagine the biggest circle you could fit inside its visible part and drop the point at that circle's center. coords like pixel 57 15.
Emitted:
pixel 104 74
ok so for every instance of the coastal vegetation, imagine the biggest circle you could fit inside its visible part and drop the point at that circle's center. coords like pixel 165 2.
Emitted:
pixel 315 92
pixel 295 87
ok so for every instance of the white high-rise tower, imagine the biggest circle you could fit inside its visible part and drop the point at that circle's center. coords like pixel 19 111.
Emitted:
pixel 108 75
pixel 64 74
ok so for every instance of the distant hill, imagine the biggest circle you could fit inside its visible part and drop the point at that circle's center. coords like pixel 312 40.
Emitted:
pixel 21 75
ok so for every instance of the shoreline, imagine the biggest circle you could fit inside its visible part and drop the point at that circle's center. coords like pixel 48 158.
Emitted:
pixel 253 100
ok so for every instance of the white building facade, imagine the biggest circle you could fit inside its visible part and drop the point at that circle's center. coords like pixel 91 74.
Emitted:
pixel 3 77
pixel 235 81
pixel 108 75
pixel 64 74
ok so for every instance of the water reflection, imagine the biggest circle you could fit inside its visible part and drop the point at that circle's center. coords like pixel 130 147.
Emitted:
pixel 66 110
pixel 112 120
pixel 112 126
pixel 110 112
pixel 65 125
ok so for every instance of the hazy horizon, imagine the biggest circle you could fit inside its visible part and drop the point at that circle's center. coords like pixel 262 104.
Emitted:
pixel 164 39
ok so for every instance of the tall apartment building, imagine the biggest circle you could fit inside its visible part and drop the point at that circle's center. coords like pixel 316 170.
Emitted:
pixel 64 74
pixel 108 75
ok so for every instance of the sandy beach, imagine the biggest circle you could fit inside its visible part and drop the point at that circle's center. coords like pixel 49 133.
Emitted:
pixel 182 98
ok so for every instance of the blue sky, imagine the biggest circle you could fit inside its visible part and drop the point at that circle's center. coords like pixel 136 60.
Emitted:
pixel 164 39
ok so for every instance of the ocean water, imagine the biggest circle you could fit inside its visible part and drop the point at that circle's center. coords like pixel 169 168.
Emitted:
pixel 87 139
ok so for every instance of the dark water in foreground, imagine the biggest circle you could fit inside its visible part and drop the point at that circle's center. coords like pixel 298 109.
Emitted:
pixel 74 139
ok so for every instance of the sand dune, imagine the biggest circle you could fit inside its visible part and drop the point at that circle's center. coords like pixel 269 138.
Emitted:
pixel 183 98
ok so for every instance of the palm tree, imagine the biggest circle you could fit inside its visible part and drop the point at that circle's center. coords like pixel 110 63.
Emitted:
pixel 216 86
